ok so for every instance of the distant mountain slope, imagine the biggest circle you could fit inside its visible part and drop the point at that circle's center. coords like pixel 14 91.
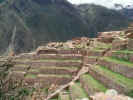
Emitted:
pixel 100 18
pixel 34 22
pixel 127 12
pixel 26 24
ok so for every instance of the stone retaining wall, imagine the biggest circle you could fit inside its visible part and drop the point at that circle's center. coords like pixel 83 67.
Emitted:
pixel 119 68
pixel 44 81
pixel 125 56
pixel 60 64
pixel 108 82
pixel 90 60
pixel 95 53
pixel 57 56
pixel 54 51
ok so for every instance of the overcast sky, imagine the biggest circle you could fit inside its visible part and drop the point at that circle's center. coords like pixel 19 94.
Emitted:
pixel 107 3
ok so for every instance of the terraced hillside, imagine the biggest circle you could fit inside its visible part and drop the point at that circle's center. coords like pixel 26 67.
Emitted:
pixel 59 67
pixel 57 72
pixel 50 67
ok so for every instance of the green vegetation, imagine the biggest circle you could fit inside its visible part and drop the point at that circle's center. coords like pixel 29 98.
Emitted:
pixel 1 1
pixel 53 75
pixel 30 76
pixel 123 51
pixel 77 92
pixel 11 89
pixel 94 84
pixel 130 93
pixel 103 19
pixel 36 27
pixel 26 31
pixel 100 45
pixel 120 79
pixel 119 61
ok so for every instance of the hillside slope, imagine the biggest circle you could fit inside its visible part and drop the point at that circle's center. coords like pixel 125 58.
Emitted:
pixel 26 24
pixel 38 21
pixel 100 18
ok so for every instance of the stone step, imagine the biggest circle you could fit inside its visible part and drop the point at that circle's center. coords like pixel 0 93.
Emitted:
pixel 111 79
pixel 20 67
pixel 48 60
pixel 77 92
pixel 50 56
pixel 48 79
pixel 24 56
pixel 18 75
pixel 48 51
pixel 58 56
pixel 123 67
pixel 44 80
pixel 50 63
pixel 90 85
pixel 54 70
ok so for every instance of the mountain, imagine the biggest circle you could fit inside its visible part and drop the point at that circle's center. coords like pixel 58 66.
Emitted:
pixel 101 18
pixel 127 12
pixel 25 24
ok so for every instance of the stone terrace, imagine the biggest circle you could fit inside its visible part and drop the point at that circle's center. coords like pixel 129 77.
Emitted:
pixel 109 67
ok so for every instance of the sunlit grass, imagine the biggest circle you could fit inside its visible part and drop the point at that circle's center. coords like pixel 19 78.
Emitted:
pixel 118 61
pixel 94 84
pixel 120 79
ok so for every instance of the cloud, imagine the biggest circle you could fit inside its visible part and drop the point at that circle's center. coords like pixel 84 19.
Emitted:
pixel 107 3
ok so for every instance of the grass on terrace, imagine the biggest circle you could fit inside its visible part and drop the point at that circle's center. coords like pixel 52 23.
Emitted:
pixel 47 75
pixel 123 51
pixel 92 57
pixel 94 84
pixel 60 68
pixel 31 76
pixel 103 46
pixel 118 61
pixel 120 79
pixel 77 91
pixel 54 75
